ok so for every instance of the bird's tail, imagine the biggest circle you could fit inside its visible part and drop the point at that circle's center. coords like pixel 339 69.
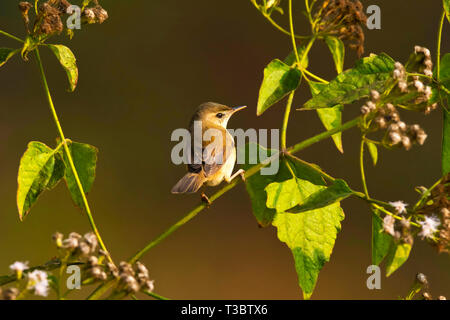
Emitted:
pixel 190 183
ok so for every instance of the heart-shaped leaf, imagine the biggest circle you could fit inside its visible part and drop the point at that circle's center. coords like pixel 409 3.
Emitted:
pixel 279 80
pixel 37 173
pixel 85 160
pixel 330 117
pixel 370 73
pixel 68 62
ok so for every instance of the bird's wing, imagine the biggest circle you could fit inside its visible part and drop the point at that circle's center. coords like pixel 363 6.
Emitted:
pixel 218 153
pixel 214 154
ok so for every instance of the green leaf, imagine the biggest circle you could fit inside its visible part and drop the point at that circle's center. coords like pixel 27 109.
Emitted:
pixel 311 236
pixel 446 143
pixel 85 160
pixel 59 170
pixel 446 4
pixel 373 150
pixel 292 59
pixel 36 172
pixel 330 117
pixel 444 78
pixel 287 194
pixel 68 62
pixel 337 50
pixel 398 254
pixel 257 183
pixel 381 241
pixel 6 54
pixel 370 73
pixel 279 80
pixel 338 191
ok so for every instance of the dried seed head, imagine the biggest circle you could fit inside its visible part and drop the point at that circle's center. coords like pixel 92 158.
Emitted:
pixel 401 125
pixel 390 107
pixel 375 95
pixel 10 294
pixel 419 85
pixel 142 269
pixel 421 278
pixel 403 86
pixel 91 239
pixel 149 285
pixel 93 261
pixel 406 142
pixel 380 122
pixel 397 74
pixel 112 269
pixel 426 296
pixel 388 225
pixel 371 105
pixel 421 137
pixel 100 14
pixel 428 72
pixel 395 137
pixel 394 127
pixel 70 243
pixel 364 109
pixel 74 235
pixel 84 248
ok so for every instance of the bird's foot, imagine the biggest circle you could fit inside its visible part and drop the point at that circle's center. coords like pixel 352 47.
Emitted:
pixel 206 199
pixel 242 174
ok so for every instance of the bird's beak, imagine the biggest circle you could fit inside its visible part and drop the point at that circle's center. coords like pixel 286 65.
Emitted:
pixel 238 108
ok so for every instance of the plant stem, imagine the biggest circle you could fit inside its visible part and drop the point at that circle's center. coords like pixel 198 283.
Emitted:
pixel 276 25
pixel 312 75
pixel 439 40
pixel 286 120
pixel 99 291
pixel 361 165
pixel 11 36
pixel 191 214
pixel 426 194
pixel 156 296
pixel 326 134
pixel 69 155
pixel 291 26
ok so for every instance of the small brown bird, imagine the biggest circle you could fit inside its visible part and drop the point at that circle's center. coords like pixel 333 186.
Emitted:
pixel 215 166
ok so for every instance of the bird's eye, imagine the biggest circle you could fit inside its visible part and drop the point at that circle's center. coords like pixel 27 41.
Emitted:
pixel 219 115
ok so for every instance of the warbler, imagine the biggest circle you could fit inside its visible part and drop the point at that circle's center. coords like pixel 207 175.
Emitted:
pixel 214 166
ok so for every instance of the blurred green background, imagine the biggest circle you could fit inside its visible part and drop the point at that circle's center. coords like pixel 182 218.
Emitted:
pixel 142 73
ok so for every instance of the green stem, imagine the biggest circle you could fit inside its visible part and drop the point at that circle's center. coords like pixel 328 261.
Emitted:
pixel 312 75
pixel 321 136
pixel 154 295
pixel 361 165
pixel 439 40
pixel 99 291
pixel 69 155
pixel 11 36
pixel 393 215
pixel 426 194
pixel 191 214
pixel 291 26
pixel 286 120
pixel 276 25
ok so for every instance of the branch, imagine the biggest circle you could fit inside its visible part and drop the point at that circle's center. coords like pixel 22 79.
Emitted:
pixel 69 155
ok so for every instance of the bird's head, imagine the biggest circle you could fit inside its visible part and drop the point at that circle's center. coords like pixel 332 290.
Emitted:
pixel 215 113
